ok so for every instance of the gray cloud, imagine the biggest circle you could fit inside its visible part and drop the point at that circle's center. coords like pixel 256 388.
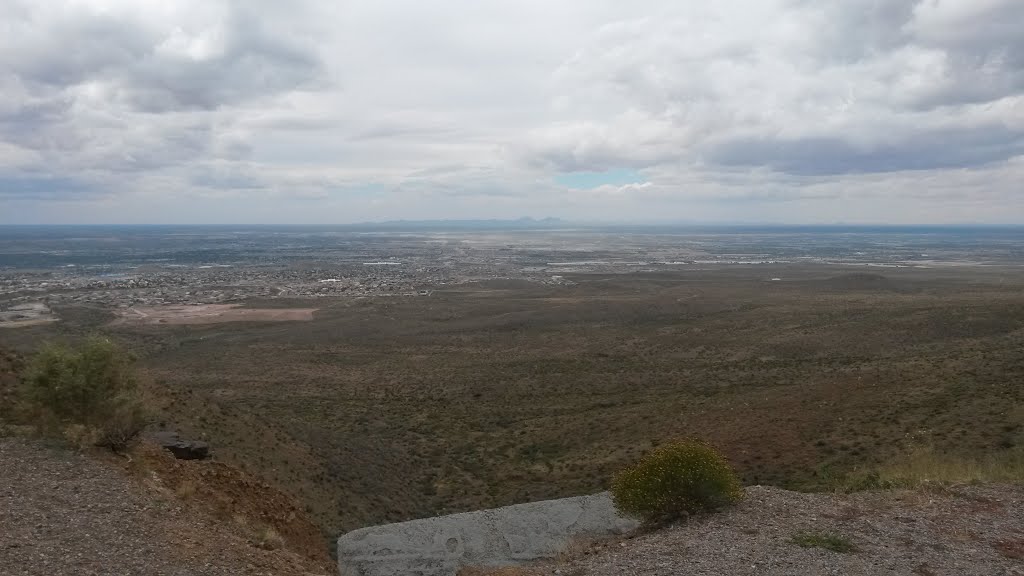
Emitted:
pixel 466 109
pixel 854 30
pixel 155 68
pixel 922 151
pixel 812 89
pixel 254 64
pixel 34 187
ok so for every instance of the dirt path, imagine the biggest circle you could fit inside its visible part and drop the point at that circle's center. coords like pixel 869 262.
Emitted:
pixel 66 513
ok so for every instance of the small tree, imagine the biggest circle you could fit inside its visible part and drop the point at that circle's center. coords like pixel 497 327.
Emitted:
pixel 91 387
pixel 674 480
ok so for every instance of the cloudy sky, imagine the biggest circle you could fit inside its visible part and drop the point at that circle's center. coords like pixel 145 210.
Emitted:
pixel 262 111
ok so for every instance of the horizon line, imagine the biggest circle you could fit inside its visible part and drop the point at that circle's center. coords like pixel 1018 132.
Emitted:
pixel 544 221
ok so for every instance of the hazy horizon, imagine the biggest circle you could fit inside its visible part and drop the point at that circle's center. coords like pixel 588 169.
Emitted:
pixel 527 224
pixel 854 112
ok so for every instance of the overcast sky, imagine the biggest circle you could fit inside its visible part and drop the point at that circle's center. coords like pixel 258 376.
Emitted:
pixel 265 111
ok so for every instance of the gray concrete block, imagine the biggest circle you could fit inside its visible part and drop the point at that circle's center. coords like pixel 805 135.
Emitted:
pixel 499 537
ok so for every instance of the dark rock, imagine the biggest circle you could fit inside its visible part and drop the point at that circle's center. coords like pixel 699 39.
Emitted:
pixel 182 449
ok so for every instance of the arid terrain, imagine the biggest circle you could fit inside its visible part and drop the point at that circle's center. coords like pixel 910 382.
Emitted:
pixel 66 512
pixel 209 314
pixel 498 392
pixel 278 276
pixel 951 531
pixel 535 370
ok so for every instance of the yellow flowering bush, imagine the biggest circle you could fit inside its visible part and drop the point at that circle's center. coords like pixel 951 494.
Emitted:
pixel 676 479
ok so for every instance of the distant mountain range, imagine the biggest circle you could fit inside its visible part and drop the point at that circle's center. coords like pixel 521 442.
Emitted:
pixel 525 223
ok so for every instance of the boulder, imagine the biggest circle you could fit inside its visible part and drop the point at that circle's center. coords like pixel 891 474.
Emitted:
pixel 506 536
pixel 182 449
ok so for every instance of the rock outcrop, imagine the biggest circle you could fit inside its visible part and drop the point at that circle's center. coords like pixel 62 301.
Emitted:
pixel 511 535
pixel 182 449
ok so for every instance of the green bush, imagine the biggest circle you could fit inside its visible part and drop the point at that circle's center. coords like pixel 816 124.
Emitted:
pixel 674 480
pixel 91 389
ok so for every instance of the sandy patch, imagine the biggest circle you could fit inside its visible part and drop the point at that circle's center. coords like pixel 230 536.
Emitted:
pixel 23 323
pixel 210 314
pixel 26 314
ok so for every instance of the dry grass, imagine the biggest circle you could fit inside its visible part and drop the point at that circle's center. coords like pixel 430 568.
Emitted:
pixel 826 540
pixel 462 402
pixel 577 548
pixel 210 314
pixel 186 490
pixel 268 539
pixel 385 409
pixel 80 437
pixel 927 466
pixel 259 535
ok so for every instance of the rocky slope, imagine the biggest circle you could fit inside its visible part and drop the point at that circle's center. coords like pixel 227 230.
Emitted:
pixel 64 512
pixel 962 531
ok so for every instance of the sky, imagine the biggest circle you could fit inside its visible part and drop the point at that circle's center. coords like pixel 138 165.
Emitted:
pixel 323 112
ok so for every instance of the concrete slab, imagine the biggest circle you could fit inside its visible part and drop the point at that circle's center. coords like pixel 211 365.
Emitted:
pixel 511 535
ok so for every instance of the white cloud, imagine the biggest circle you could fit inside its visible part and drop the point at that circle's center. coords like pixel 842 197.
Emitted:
pixel 322 111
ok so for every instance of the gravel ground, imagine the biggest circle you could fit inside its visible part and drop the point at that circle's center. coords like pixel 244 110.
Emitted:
pixel 66 513
pixel 975 530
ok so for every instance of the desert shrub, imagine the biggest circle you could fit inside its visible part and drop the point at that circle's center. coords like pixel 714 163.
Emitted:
pixel 676 479
pixel 90 390
pixel 10 366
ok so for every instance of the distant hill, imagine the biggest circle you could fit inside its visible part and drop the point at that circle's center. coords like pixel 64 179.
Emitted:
pixel 525 223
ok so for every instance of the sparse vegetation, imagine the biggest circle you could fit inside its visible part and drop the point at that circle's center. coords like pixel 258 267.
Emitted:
pixel 88 394
pixel 259 535
pixel 826 540
pixel 925 466
pixel 269 539
pixel 486 395
pixel 186 489
pixel 929 466
pixel 674 480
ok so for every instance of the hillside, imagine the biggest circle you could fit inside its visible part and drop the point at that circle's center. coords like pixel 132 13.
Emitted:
pixel 486 394
pixel 388 409
pixel 966 530
pixel 63 512
pixel 10 366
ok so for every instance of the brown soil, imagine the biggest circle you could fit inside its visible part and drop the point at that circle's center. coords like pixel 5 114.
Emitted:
pixel 210 314
pixel 230 495
pixel 63 512
pixel 387 409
